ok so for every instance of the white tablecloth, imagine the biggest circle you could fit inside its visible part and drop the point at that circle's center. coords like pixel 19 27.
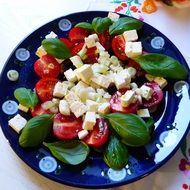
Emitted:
pixel 21 17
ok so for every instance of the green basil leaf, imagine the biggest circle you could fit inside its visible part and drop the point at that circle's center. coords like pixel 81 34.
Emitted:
pixel 124 24
pixel 115 154
pixel 26 97
pixel 162 65
pixel 130 127
pixel 101 24
pixel 70 152
pixel 56 48
pixel 85 25
pixel 150 125
pixel 36 130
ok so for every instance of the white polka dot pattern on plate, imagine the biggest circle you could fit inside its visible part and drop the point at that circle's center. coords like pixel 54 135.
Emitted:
pixel 181 87
pixel 10 107
pixel 22 54
pixel 64 24
pixel 117 175
pixel 48 164
pixel 157 42
pixel 12 75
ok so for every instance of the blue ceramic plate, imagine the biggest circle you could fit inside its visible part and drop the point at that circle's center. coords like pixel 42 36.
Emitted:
pixel 172 120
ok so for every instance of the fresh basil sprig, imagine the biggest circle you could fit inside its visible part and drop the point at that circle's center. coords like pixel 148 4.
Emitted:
pixel 101 24
pixel 36 130
pixel 70 152
pixel 130 127
pixel 26 97
pixel 123 24
pixel 115 154
pixel 56 48
pixel 85 25
pixel 162 65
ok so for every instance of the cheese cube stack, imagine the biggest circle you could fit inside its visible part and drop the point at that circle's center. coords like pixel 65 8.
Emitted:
pixel 60 89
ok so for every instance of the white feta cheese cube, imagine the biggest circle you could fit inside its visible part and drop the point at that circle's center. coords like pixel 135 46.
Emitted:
pixel 125 74
pixel 114 60
pixel 78 86
pixel 143 113
pixel 83 94
pixel 82 52
pixel 71 97
pixel 113 16
pixel 92 106
pixel 127 98
pixel 101 91
pixel 78 108
pixel 51 35
pixel 131 71
pixel 133 86
pixel 23 108
pixel 89 121
pixel 85 73
pixel 83 133
pixel 60 90
pixel 76 60
pixel 133 49
pixel 99 46
pixel 104 108
pixel 47 104
pixel 162 82
pixel 149 77
pixel 70 75
pixel 130 35
pixel 146 92
pixel 101 80
pixel 91 40
pixel 93 96
pixel 129 49
pixel 17 123
pixel 107 96
pixel 64 107
pixel 120 81
pixel 41 52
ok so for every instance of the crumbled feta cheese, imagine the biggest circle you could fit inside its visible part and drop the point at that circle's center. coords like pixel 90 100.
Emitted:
pixel 23 108
pixel 17 123
pixel 101 80
pixel 149 77
pixel 83 94
pixel 143 113
pixel 51 35
pixel 114 60
pixel 92 105
pixel 131 71
pixel 101 91
pixel 83 133
pixel 104 108
pixel 133 49
pixel 113 16
pixel 91 40
pixel 89 120
pixel 125 74
pixel 64 107
pixel 130 35
pixel 146 92
pixel 60 89
pixel 133 86
pixel 79 86
pixel 78 108
pixel 71 97
pixel 99 46
pixel 70 75
pixel 162 82
pixel 47 105
pixel 120 81
pixel 128 98
pixel 76 60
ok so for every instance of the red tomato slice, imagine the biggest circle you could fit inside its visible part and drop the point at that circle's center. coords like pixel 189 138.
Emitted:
pixel 157 95
pixel 47 66
pixel 38 110
pixel 77 34
pixel 134 64
pixel 115 104
pixel 76 48
pixel 66 127
pixel 118 46
pixel 99 135
pixel 105 39
pixel 67 42
pixel 44 88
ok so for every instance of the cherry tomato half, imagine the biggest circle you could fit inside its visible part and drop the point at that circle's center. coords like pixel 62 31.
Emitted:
pixel 105 39
pixel 76 48
pixel 99 135
pixel 67 42
pixel 77 34
pixel 115 104
pixel 44 88
pixel 118 46
pixel 156 97
pixel 47 66
pixel 66 127
pixel 38 110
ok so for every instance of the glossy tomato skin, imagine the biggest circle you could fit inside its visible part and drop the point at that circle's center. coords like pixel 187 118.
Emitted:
pixel 99 135
pixel 38 110
pixel 118 47
pixel 156 97
pixel 105 39
pixel 44 88
pixel 66 127
pixel 47 66
pixel 115 104
pixel 77 34
pixel 76 48
pixel 66 42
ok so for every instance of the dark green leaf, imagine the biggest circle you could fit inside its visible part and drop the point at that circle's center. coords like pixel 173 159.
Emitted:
pixel 162 65
pixel 56 48
pixel 130 127
pixel 115 154
pixel 70 152
pixel 150 125
pixel 184 148
pixel 85 25
pixel 101 24
pixel 36 130
pixel 26 97
pixel 124 24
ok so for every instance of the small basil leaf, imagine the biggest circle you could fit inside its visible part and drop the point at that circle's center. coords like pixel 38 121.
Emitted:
pixel 115 154
pixel 85 25
pixel 162 65
pixel 124 24
pixel 36 130
pixel 101 24
pixel 26 97
pixel 56 48
pixel 150 125
pixel 70 152
pixel 130 127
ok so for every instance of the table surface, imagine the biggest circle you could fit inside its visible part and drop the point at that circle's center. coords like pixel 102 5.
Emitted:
pixel 19 18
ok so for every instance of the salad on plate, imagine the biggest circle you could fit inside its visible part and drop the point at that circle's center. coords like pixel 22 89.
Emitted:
pixel 97 89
